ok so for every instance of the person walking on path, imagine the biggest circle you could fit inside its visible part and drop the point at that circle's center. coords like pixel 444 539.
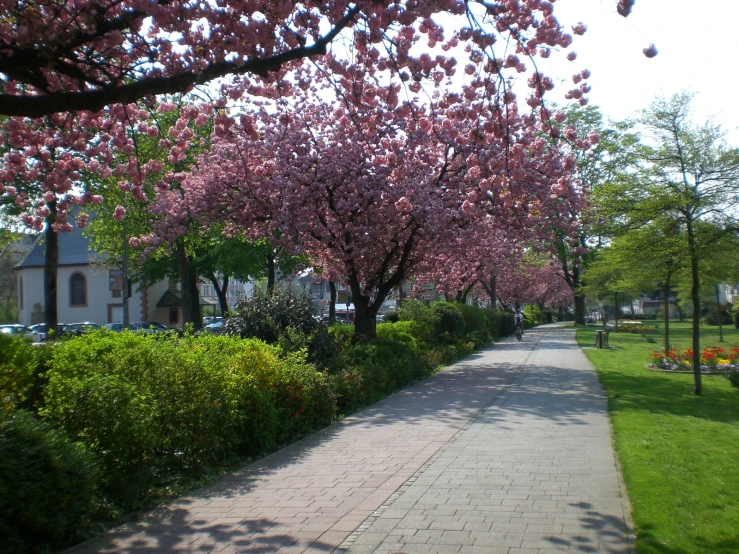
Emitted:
pixel 488 456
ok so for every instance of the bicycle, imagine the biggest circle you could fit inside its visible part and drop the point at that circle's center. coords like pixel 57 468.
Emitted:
pixel 519 333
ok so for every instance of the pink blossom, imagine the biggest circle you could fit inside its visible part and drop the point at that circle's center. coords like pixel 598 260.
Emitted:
pixel 119 213
pixel 650 51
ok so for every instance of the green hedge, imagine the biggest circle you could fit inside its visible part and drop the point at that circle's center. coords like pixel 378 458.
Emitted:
pixel 149 407
pixel 124 416
pixel 48 486
pixel 22 373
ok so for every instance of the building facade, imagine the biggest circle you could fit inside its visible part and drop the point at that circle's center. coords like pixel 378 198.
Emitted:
pixel 88 288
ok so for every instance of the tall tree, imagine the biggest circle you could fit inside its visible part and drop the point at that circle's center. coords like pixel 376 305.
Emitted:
pixel 375 190
pixel 651 256
pixel 685 172
pixel 608 156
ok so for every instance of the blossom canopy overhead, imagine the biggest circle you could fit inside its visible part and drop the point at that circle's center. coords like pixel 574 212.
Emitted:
pixel 85 55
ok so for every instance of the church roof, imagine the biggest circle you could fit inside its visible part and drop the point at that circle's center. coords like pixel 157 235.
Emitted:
pixel 74 249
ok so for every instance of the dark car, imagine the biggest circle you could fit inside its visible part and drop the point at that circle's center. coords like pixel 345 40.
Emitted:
pixel 80 328
pixel 148 327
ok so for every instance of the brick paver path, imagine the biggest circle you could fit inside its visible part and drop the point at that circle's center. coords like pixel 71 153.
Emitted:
pixel 447 465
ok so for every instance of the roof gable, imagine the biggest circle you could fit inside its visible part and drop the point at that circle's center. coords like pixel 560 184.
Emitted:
pixel 74 249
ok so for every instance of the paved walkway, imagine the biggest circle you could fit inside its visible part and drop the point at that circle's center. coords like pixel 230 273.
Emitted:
pixel 507 452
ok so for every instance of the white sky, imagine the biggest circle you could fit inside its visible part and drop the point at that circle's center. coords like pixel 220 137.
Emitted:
pixel 697 44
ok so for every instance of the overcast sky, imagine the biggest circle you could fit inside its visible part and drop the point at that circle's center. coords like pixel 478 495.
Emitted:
pixel 697 44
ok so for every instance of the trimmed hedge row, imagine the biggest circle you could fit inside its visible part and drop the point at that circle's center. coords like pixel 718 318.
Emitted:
pixel 102 423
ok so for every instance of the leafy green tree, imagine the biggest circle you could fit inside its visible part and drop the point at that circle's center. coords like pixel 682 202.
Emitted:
pixel 651 256
pixel 684 172
pixel 609 275
pixel 595 166
pixel 127 209
pixel 13 247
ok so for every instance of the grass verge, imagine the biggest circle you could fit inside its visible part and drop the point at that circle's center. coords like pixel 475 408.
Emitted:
pixel 679 452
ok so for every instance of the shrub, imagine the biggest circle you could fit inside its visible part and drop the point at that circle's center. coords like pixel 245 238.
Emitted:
pixel 533 315
pixel 320 345
pixel 407 332
pixel 450 323
pixel 267 317
pixel 22 373
pixel 373 369
pixel 712 318
pixel 48 486
pixel 733 378
pixel 151 408
pixel 146 407
pixel 500 323
pixel 414 310
pixel 475 324
pixel 392 317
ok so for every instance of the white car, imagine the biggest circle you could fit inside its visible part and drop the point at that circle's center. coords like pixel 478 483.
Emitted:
pixel 23 331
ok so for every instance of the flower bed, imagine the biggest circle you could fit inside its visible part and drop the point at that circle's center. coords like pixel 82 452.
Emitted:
pixel 714 359
pixel 632 326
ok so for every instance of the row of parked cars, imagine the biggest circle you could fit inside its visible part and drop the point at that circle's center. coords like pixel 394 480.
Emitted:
pixel 40 331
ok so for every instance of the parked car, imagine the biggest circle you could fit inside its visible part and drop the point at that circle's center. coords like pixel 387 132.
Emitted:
pixel 43 329
pixel 216 328
pixel 143 326
pixel 21 330
pixel 79 328
pixel 207 320
pixel 148 327
pixel 61 330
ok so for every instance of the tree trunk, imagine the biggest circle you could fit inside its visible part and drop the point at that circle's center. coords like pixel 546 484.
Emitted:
pixel 332 303
pixel 696 299
pixel 221 293
pixel 718 312
pixel 462 295
pixel 51 265
pixel 666 294
pixel 270 274
pixel 615 311
pixel 365 316
pixel 680 312
pixel 197 319
pixel 580 308
pixel 184 271
pixel 494 292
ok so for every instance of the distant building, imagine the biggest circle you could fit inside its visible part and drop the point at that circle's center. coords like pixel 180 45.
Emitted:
pixel 237 289
pixel 90 288
pixel 728 293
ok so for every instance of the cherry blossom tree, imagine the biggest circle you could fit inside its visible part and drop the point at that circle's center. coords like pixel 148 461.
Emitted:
pixel 535 280
pixel 74 73
pixel 376 191
pixel 88 64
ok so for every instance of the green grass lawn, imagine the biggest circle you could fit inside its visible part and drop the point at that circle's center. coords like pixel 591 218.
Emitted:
pixel 679 452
